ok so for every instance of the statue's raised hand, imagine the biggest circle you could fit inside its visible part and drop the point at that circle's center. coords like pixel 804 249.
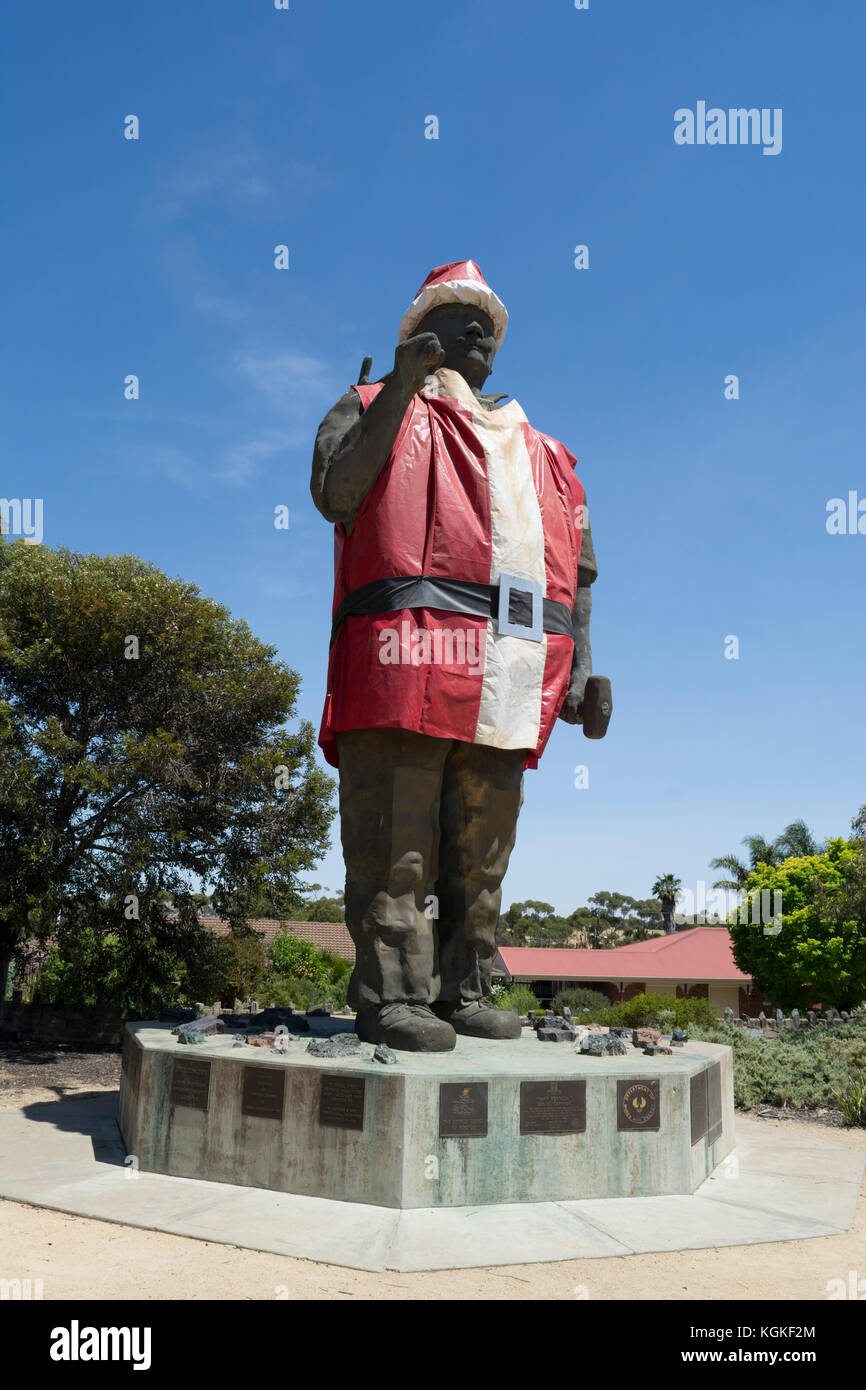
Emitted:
pixel 416 359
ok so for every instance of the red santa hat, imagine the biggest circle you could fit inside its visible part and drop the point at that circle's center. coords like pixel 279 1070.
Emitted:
pixel 458 282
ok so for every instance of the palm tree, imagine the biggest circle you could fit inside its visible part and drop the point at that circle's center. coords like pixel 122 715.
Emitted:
pixel 795 842
pixel 666 888
pixel 762 851
pixel 737 871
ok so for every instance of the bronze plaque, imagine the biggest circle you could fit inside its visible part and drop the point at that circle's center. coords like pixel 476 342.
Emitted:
pixel 714 1101
pixel 264 1092
pixel 341 1102
pixel 130 1062
pixel 462 1109
pixel 190 1083
pixel 698 1105
pixel 637 1105
pixel 552 1107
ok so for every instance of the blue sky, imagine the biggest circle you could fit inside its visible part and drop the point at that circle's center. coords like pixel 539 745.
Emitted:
pixel 306 127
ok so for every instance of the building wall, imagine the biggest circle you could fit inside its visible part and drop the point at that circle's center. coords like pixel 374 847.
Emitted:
pixel 725 997
pixel 722 995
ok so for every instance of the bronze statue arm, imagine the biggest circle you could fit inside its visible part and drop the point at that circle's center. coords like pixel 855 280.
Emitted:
pixel 581 662
pixel 346 465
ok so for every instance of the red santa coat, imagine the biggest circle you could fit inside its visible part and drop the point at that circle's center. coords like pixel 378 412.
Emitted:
pixel 466 494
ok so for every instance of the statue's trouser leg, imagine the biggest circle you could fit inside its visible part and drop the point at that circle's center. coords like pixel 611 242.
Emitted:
pixel 481 798
pixel 390 787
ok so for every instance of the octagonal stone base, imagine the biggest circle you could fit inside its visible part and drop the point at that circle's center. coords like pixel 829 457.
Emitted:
pixel 491 1122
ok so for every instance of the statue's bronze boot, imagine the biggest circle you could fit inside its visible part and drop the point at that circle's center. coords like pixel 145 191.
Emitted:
pixel 478 1019
pixel 406 1027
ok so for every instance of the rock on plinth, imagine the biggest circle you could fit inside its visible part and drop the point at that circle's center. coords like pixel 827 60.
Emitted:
pixel 340 1045
pixel 553 1034
pixel 207 1025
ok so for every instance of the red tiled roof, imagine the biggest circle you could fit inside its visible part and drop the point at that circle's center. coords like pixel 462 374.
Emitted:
pixel 699 954
pixel 325 936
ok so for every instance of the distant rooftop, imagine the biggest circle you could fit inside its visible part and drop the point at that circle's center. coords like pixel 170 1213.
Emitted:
pixel 325 936
pixel 702 953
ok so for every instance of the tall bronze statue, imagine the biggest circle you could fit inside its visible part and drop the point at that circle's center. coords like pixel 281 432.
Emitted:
pixel 462 599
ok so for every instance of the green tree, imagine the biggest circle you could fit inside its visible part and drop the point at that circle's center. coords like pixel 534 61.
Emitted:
pixel 532 923
pixel 795 840
pixel 666 888
pixel 609 913
pixel 291 955
pixel 321 908
pixel 100 959
pixel 643 919
pixel 819 955
pixel 243 963
pixel 143 744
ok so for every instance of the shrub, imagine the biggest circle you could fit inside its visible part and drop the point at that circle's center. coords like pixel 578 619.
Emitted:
pixel 243 966
pixel 651 1011
pixel 852 1101
pixel 802 1069
pixel 283 990
pixel 580 1000
pixel 292 956
pixel 139 967
pixel 519 998
pixel 278 990
pixel 304 976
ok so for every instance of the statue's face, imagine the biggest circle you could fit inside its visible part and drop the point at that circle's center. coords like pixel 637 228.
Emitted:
pixel 466 335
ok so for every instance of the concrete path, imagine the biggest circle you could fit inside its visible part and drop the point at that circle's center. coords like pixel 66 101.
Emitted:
pixel 69 1156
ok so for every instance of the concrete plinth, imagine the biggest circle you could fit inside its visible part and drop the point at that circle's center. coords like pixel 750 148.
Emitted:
pixel 490 1123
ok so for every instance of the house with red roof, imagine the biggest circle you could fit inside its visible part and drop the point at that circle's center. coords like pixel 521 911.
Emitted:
pixel 697 963
pixel 325 936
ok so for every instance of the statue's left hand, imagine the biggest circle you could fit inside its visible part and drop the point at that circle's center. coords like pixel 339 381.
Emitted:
pixel 571 705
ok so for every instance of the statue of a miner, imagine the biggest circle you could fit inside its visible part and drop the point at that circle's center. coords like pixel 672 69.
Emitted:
pixel 461 632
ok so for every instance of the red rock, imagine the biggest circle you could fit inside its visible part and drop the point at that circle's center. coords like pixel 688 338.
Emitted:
pixel 641 1036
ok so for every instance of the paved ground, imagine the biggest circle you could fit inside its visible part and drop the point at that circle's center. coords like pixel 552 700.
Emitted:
pixel 81 1258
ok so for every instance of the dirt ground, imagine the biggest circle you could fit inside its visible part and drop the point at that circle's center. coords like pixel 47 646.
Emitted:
pixel 79 1258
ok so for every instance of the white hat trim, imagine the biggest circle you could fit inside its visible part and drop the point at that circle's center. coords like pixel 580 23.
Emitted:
pixel 461 292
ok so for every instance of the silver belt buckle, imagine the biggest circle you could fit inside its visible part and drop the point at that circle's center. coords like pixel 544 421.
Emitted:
pixel 505 628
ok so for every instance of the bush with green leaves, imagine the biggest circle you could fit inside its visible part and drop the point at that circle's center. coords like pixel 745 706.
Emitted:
pixel 819 953
pixel 291 955
pixel 100 960
pixel 302 975
pixel 652 1011
pixel 301 993
pixel 803 1068
pixel 851 1100
pixel 242 956
pixel 580 1000
pixel 518 997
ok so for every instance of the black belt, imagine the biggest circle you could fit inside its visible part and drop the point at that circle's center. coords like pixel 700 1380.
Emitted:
pixel 517 604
